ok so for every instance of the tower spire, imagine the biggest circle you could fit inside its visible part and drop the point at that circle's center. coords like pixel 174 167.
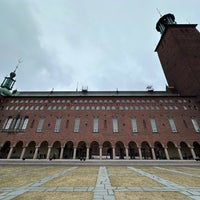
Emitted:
pixel 164 21
pixel 9 82
pixel 159 12
pixel 19 61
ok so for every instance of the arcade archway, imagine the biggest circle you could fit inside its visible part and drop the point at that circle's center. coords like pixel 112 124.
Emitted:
pixel 68 150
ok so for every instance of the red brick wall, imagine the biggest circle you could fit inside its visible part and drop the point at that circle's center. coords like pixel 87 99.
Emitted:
pixel 125 134
pixel 179 53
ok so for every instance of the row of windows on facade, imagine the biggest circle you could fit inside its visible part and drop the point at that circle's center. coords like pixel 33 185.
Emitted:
pixel 21 123
pixel 100 101
pixel 37 107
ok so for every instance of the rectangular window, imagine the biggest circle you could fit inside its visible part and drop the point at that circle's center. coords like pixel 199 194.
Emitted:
pixel 172 125
pixel 196 125
pixel 134 125
pixel 40 125
pixel 96 125
pixel 115 125
pixel 76 124
pixel 57 125
pixel 25 123
pixel 153 125
pixel 8 123
pixel 17 123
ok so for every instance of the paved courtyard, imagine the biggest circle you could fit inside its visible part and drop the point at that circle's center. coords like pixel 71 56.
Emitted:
pixel 99 182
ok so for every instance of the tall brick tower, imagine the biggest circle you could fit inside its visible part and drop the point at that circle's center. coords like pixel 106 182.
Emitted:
pixel 179 54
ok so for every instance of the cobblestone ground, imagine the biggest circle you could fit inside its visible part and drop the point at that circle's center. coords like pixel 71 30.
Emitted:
pixel 94 182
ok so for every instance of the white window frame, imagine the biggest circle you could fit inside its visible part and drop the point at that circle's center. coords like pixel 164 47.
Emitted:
pixel 40 125
pixel 134 125
pixel 95 125
pixel 76 124
pixel 172 125
pixel 153 125
pixel 17 123
pixel 195 125
pixel 57 125
pixel 25 123
pixel 8 123
pixel 115 125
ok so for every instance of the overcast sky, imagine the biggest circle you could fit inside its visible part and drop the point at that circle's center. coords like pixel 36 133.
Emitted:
pixel 102 44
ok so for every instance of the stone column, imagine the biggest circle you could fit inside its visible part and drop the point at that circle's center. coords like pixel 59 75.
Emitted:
pixel 10 152
pixel 180 154
pixel 192 152
pixel 36 152
pixel 126 149
pixel 49 152
pixel 100 152
pixel 74 153
pixel 166 153
pixel 153 153
pixel 113 149
pixel 140 153
pixel 87 153
pixel 61 152
pixel 23 152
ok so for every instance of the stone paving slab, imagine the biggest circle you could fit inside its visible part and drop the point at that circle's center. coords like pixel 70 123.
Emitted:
pixel 103 187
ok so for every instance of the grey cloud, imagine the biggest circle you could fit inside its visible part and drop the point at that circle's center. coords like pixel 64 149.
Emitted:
pixel 102 44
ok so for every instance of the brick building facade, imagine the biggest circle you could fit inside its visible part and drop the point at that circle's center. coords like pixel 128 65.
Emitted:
pixel 106 125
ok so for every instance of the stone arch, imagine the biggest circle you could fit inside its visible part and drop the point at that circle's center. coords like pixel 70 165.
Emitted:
pixel 94 150
pixel 120 150
pixel 159 150
pixel 185 150
pixel 81 150
pixel 196 146
pixel 172 151
pixel 107 150
pixel 146 150
pixel 30 150
pixel 43 149
pixel 133 150
pixel 5 150
pixel 68 150
pixel 17 150
pixel 55 150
